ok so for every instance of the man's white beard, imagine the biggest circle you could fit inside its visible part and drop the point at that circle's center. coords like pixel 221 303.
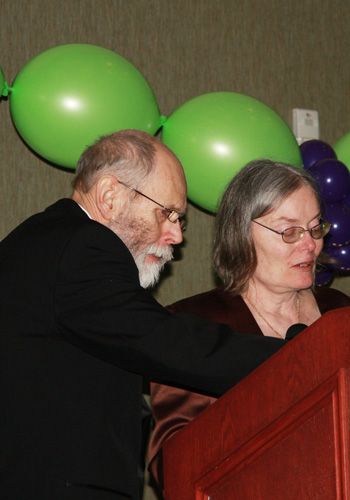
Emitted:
pixel 133 233
pixel 149 272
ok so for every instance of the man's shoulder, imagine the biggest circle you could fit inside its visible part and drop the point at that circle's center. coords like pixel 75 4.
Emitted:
pixel 64 218
pixel 60 223
pixel 65 210
pixel 75 220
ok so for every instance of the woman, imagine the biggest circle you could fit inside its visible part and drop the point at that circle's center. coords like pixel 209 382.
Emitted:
pixel 268 240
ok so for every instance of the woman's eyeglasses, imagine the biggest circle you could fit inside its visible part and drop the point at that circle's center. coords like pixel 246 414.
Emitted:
pixel 294 234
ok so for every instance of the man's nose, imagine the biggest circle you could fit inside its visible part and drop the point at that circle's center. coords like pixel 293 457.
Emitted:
pixel 173 233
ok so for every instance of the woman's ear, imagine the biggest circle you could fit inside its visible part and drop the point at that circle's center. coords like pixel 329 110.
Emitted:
pixel 109 197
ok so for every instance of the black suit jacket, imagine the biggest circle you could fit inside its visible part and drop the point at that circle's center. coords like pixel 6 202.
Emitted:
pixel 77 334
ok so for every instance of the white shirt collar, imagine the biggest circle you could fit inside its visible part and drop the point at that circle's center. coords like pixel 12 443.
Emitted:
pixel 87 213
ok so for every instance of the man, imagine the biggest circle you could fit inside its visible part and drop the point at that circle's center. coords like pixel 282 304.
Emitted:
pixel 78 331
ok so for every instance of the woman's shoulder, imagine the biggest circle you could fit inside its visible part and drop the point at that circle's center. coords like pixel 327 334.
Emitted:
pixel 216 298
pixel 219 306
pixel 330 298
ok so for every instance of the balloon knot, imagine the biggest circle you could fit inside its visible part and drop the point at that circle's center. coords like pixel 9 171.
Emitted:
pixel 5 90
pixel 163 119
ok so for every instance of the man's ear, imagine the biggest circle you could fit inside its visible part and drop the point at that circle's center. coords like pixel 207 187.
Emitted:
pixel 109 198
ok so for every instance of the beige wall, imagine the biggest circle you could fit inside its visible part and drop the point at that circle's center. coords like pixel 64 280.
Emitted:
pixel 287 53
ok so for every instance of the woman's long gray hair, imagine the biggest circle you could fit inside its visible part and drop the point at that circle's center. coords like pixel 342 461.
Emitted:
pixel 260 187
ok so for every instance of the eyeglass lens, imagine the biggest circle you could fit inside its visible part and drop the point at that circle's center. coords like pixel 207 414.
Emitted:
pixel 294 234
pixel 174 217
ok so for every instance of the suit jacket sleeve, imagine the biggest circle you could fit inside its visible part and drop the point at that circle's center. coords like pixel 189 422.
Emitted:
pixel 101 308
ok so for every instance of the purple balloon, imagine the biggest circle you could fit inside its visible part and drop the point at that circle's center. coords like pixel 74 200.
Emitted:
pixel 333 179
pixel 315 150
pixel 324 278
pixel 338 215
pixel 346 200
pixel 342 255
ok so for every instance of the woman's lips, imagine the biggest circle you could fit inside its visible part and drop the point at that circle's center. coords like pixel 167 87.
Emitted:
pixel 305 265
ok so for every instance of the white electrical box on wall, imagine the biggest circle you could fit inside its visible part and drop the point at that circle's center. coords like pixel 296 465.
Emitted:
pixel 305 124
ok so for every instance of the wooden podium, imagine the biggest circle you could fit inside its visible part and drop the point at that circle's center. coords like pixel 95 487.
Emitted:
pixel 282 433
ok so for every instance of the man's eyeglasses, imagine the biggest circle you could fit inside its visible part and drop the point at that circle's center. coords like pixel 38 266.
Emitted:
pixel 171 215
pixel 294 234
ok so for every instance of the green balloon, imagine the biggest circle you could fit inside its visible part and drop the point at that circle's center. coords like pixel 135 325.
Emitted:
pixel 342 149
pixel 63 99
pixel 214 135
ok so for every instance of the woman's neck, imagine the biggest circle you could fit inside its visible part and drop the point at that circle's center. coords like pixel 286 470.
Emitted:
pixel 276 312
pixel 270 300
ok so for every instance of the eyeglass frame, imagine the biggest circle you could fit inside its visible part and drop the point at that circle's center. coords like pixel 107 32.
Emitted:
pixel 298 227
pixel 180 218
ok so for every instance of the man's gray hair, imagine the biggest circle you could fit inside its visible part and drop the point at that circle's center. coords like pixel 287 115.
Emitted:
pixel 127 154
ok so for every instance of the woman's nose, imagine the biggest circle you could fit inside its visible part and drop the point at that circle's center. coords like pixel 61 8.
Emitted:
pixel 308 241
